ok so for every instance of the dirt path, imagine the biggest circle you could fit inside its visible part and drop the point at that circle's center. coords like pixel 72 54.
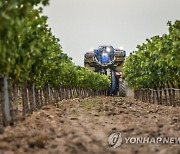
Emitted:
pixel 83 125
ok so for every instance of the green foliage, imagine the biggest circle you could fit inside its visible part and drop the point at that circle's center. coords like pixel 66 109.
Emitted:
pixel 29 52
pixel 156 63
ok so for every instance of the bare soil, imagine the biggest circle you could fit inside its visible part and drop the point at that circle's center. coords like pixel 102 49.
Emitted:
pixel 81 126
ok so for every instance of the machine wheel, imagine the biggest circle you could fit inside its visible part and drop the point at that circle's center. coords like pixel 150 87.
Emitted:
pixel 122 88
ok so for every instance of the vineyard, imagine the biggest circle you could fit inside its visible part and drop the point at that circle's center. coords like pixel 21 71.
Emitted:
pixel 32 59
pixel 154 69
pixel 156 63
pixel 68 101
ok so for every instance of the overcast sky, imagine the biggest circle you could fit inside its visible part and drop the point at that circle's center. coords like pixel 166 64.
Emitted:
pixel 85 24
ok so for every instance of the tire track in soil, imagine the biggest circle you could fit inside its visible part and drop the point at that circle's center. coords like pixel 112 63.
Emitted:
pixel 83 125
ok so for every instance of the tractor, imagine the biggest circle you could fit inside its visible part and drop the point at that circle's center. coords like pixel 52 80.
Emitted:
pixel 109 61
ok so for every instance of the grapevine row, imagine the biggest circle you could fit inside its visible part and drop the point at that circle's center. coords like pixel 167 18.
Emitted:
pixel 30 53
pixel 156 63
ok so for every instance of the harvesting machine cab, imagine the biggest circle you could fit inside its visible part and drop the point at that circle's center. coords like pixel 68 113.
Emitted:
pixel 109 61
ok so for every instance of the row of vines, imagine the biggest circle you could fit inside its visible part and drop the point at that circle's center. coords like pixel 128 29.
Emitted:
pixel 156 63
pixel 32 63
pixel 29 52
pixel 154 69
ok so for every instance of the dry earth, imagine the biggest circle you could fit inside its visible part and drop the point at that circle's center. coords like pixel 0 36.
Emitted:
pixel 81 126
